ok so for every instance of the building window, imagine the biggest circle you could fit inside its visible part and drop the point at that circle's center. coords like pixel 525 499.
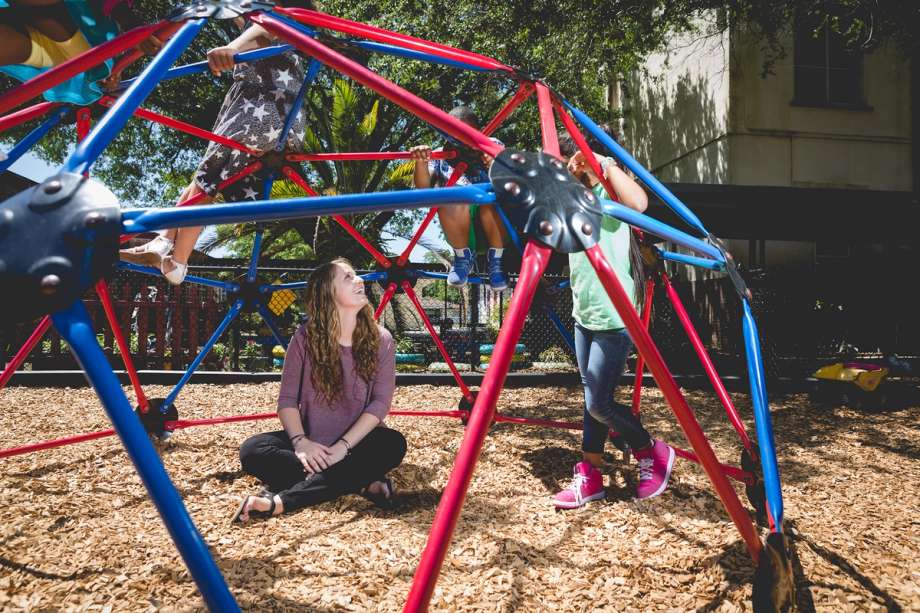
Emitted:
pixel 826 72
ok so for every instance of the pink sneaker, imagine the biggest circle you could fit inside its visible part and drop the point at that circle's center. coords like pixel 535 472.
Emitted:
pixel 655 465
pixel 587 485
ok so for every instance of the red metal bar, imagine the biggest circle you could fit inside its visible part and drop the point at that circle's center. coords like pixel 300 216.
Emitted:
pixel 534 262
pixel 387 296
pixel 422 109
pixel 19 117
pixel 186 127
pixel 25 350
pixel 182 424
pixel 404 256
pixel 135 54
pixel 563 425
pixel 381 259
pixel 579 139
pixel 85 61
pixel 354 28
pixel 84 122
pixel 547 121
pixel 708 366
pixel 522 94
pixel 428 413
pixel 732 472
pixel 102 290
pixel 364 156
pixel 640 363
pixel 671 391
pixel 407 287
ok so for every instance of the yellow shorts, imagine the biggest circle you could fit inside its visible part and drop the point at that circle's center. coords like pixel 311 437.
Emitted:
pixel 47 52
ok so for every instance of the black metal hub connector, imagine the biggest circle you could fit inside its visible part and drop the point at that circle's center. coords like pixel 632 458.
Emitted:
pixel 219 9
pixel 154 420
pixel 56 240
pixel 250 294
pixel 545 201
pixel 397 274
pixel 731 267
pixel 274 161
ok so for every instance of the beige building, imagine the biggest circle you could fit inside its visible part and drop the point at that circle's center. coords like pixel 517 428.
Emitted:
pixel 796 166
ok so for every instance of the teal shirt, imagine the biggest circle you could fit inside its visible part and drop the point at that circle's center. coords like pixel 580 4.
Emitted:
pixel 81 89
pixel 591 307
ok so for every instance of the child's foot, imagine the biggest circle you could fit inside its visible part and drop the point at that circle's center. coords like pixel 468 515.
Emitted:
pixel 460 272
pixel 173 271
pixel 587 485
pixel 655 465
pixel 263 505
pixel 497 279
pixel 150 253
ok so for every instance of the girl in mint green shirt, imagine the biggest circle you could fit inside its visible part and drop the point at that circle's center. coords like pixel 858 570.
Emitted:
pixel 602 344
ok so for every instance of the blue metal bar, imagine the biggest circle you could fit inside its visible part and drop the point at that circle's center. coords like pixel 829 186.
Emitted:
pixel 117 116
pixel 239 58
pixel 644 175
pixel 155 272
pixel 564 284
pixel 650 224
pixel 563 331
pixel 75 326
pixel 673 256
pixel 269 320
pixel 235 309
pixel 145 220
pixel 426 274
pixel 762 419
pixel 415 55
pixel 260 231
pixel 293 23
pixel 512 233
pixel 33 137
pixel 312 71
pixel 380 275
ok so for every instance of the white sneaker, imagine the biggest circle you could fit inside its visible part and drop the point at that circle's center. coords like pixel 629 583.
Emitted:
pixel 176 274
pixel 150 253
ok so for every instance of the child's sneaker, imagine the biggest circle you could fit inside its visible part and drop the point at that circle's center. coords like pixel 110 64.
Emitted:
pixel 587 485
pixel 497 279
pixel 655 465
pixel 460 272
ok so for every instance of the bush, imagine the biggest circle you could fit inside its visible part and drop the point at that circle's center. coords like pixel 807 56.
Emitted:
pixel 555 354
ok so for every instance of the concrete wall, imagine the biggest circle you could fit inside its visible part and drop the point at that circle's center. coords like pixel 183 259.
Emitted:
pixel 774 142
pixel 677 113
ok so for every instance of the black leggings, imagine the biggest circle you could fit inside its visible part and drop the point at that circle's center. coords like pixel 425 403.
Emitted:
pixel 270 458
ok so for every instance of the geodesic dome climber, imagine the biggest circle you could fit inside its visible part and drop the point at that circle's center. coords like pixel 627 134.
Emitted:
pixel 79 224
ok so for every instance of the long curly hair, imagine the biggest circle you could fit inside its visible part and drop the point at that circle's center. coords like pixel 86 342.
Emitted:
pixel 323 329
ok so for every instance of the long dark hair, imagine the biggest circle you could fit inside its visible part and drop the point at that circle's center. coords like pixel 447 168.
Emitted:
pixel 323 335
pixel 568 147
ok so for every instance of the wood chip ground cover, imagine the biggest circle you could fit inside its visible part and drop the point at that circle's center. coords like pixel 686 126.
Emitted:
pixel 77 532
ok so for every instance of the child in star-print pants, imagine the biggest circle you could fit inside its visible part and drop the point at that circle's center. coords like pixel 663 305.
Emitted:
pixel 253 114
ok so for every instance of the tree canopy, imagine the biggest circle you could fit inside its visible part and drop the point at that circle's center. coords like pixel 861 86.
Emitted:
pixel 576 46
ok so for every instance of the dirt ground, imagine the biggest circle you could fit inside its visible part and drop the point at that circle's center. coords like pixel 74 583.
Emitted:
pixel 77 532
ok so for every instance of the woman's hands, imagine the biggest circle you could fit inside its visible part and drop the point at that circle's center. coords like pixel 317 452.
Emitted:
pixel 314 457
pixel 317 458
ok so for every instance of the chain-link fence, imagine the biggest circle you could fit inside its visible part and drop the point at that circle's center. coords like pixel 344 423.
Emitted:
pixel 802 319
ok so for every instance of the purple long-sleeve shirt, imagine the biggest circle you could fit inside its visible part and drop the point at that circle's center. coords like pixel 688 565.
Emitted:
pixel 325 423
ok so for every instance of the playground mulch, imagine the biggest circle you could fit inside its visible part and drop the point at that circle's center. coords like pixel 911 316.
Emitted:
pixel 78 533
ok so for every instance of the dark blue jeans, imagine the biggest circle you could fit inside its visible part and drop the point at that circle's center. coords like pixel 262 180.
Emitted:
pixel 601 362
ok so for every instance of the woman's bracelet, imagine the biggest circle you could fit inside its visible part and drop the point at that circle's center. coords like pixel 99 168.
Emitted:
pixel 297 437
pixel 347 446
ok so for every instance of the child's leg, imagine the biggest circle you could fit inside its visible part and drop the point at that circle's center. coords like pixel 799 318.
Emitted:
pixel 16 47
pixel 607 361
pixel 185 238
pixel 594 432
pixel 455 221
pixel 492 227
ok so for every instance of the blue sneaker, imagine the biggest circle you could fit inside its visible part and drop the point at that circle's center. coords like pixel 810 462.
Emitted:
pixel 497 279
pixel 460 272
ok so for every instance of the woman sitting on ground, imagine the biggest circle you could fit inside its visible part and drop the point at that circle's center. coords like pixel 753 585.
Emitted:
pixel 336 389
